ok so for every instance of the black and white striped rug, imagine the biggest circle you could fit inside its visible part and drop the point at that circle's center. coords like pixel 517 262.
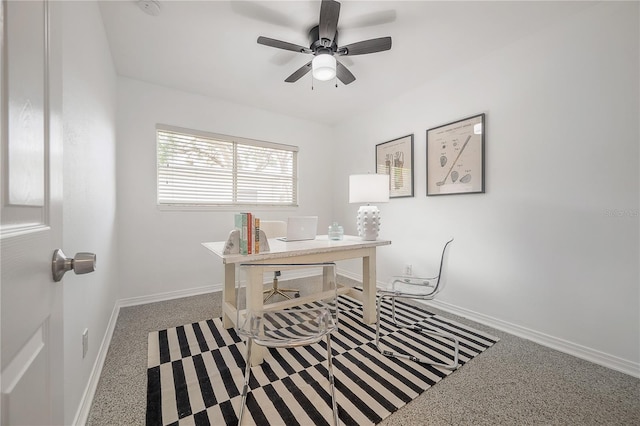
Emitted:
pixel 195 372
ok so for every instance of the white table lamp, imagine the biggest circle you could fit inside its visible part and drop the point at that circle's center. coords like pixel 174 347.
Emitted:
pixel 371 188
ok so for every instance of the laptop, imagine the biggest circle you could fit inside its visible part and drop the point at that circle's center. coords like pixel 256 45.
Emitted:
pixel 300 228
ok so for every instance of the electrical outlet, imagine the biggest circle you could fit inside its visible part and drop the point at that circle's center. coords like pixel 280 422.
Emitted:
pixel 85 342
pixel 408 270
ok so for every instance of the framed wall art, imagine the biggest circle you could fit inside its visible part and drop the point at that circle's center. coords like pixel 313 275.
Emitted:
pixel 395 158
pixel 455 157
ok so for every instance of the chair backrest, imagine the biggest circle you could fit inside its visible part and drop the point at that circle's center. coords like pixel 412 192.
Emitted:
pixel 274 228
pixel 305 319
pixel 444 269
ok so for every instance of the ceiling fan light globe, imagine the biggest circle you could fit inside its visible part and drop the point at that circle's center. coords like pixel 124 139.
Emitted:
pixel 324 67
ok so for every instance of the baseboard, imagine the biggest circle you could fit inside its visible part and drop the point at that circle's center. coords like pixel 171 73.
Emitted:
pixel 568 347
pixel 170 295
pixel 354 277
pixel 160 297
pixel 89 392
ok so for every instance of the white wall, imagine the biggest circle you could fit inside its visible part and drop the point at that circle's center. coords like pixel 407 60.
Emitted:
pixel 552 247
pixel 89 101
pixel 160 250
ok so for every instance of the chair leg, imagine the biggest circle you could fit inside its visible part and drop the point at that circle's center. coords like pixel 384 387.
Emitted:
pixel 456 347
pixel 378 309
pixel 332 381
pixel 281 291
pixel 393 311
pixel 456 343
pixel 245 388
pixel 272 292
pixel 378 313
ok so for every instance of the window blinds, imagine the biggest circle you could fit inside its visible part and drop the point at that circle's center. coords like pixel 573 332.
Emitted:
pixel 200 169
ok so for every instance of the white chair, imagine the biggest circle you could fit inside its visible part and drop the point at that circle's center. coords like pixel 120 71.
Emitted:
pixel 276 229
pixel 295 324
pixel 417 288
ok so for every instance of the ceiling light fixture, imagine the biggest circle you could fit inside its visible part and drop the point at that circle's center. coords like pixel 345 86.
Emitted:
pixel 150 7
pixel 324 67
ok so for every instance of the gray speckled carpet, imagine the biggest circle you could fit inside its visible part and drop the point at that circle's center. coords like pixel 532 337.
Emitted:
pixel 516 382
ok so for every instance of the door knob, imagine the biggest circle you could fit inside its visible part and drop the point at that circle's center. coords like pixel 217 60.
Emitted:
pixel 82 263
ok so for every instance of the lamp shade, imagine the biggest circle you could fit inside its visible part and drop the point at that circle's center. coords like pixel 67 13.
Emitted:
pixel 370 188
pixel 324 67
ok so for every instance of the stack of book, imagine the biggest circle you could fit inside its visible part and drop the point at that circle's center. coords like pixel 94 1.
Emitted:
pixel 249 229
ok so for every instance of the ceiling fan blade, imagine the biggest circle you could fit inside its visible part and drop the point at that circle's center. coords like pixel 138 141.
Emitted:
pixel 343 74
pixel 297 75
pixel 329 14
pixel 279 44
pixel 368 46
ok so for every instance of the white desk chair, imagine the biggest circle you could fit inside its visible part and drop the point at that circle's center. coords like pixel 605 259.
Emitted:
pixel 276 229
pixel 420 289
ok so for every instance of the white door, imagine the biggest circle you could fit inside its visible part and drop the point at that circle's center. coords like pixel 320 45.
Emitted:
pixel 31 221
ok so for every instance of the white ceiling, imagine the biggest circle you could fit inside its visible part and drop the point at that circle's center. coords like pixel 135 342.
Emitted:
pixel 209 47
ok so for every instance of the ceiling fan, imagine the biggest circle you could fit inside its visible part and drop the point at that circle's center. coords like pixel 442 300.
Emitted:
pixel 324 47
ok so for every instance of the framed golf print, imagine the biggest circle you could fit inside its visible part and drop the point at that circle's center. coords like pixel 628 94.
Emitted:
pixel 395 158
pixel 455 157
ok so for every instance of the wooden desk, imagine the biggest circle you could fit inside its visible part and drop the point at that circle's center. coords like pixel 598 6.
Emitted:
pixel 319 250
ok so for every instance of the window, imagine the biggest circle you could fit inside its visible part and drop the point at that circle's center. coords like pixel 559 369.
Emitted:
pixel 205 169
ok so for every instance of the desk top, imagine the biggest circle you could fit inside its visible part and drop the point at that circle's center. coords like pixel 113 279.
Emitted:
pixel 281 249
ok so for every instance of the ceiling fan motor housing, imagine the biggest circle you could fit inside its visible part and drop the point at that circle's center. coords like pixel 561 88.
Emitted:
pixel 316 44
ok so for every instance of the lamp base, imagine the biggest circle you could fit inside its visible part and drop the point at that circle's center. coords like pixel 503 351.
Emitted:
pixel 368 222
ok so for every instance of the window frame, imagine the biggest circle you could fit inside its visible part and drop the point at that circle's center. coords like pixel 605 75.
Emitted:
pixel 236 140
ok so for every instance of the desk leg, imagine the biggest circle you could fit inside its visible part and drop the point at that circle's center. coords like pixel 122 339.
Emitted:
pixel 229 293
pixel 369 287
pixel 255 303
pixel 326 278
